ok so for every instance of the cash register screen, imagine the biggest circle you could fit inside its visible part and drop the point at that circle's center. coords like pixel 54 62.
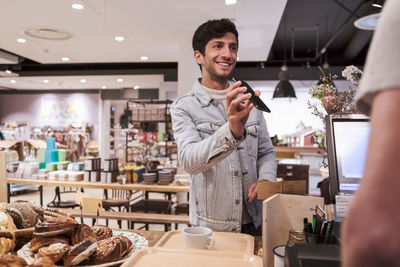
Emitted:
pixel 347 143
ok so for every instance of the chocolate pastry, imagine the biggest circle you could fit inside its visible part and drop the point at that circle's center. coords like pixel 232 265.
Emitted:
pixel 100 232
pixel 42 262
pixel 9 260
pixel 125 242
pixel 79 253
pixel 82 233
pixel 55 227
pixel 55 251
pixel 108 250
pixel 6 245
pixel 23 214
pixel 38 242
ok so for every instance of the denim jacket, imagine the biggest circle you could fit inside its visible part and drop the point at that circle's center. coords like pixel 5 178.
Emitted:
pixel 221 167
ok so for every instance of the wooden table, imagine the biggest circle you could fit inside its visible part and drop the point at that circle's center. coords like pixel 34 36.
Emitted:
pixel 172 188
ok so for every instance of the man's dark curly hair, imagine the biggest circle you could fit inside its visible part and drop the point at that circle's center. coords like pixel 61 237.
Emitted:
pixel 210 30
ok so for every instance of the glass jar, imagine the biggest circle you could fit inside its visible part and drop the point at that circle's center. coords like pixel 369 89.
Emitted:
pixel 295 236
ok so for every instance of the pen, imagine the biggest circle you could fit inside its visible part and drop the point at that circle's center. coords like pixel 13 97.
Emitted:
pixel 305 222
pixel 314 221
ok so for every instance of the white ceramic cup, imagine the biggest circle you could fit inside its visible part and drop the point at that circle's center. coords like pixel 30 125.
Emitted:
pixel 279 256
pixel 198 238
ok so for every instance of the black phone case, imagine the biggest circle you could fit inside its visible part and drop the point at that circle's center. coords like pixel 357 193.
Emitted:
pixel 255 100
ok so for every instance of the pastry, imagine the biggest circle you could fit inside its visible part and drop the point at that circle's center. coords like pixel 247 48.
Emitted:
pixel 38 242
pixel 79 253
pixel 6 245
pixel 4 219
pixel 10 260
pixel 108 250
pixel 127 244
pixel 23 214
pixel 55 227
pixel 55 251
pixel 82 233
pixel 42 262
pixel 100 232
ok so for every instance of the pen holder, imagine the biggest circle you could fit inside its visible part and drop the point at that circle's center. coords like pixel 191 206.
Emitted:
pixel 312 238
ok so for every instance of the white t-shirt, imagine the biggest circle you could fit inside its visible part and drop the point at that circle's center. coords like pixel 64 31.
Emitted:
pixel 382 68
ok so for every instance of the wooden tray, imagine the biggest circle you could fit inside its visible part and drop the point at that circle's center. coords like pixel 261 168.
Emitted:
pixel 193 258
pixel 224 241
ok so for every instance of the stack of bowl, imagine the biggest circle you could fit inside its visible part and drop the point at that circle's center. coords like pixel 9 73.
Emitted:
pixel 165 177
pixel 149 178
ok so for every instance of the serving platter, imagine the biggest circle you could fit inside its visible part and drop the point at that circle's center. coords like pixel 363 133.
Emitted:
pixel 139 242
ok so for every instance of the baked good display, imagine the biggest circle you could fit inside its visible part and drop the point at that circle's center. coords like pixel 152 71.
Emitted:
pixel 79 253
pixel 9 260
pixel 42 262
pixel 100 232
pixel 55 251
pixel 54 227
pixel 6 245
pixel 81 233
pixel 38 242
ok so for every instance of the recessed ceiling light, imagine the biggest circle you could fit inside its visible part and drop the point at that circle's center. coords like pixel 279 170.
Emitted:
pixel 144 58
pixel 8 71
pixel 120 80
pixel 46 81
pixel 136 87
pixel 119 38
pixel 230 2
pixel 13 81
pixel 83 80
pixel 65 59
pixel 377 5
pixel 21 40
pixel 104 87
pixel 77 6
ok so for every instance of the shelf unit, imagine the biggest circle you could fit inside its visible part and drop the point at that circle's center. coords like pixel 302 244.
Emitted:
pixel 144 115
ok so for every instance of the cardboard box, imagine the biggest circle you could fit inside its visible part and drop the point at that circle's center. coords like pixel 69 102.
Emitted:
pixel 267 189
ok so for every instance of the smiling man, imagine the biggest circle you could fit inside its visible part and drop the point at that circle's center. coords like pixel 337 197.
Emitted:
pixel 222 141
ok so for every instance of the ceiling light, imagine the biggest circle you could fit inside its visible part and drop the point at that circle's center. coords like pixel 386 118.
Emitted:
pixel 230 2
pixel 144 58
pixel 104 87
pixel 119 38
pixel 77 6
pixel 46 81
pixel 120 80
pixel 13 81
pixel 21 40
pixel 65 59
pixel 377 5
pixel 8 71
pixel 284 88
pixel 83 80
pixel 136 87
pixel 368 22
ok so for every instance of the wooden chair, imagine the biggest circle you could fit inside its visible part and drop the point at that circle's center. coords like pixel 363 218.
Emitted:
pixel 63 204
pixel 119 199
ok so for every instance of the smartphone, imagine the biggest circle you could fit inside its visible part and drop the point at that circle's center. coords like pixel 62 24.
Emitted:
pixel 255 100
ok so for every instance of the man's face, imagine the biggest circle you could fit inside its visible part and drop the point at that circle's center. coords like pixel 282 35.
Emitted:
pixel 219 57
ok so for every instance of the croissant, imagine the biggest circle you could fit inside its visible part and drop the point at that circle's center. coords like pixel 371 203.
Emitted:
pixel 10 260
pixel 38 242
pixel 100 232
pixel 82 233
pixel 42 262
pixel 79 253
pixel 55 251
pixel 6 245
pixel 55 227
